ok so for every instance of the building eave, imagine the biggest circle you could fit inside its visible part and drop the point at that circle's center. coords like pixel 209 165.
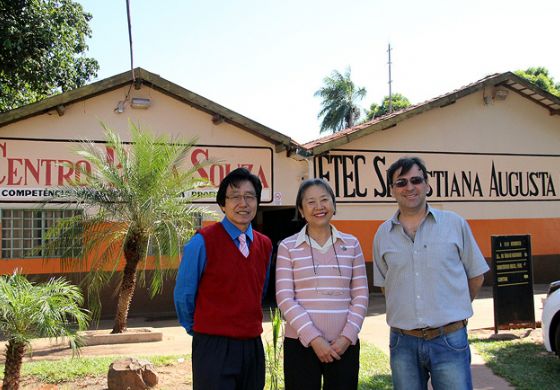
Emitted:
pixel 217 112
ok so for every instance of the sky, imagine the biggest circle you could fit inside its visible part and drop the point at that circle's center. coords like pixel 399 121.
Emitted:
pixel 266 59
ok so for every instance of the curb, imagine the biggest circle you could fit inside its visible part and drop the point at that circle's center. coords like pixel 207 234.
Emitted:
pixel 132 335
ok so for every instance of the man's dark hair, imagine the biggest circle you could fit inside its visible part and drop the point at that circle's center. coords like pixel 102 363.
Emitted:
pixel 406 163
pixel 313 182
pixel 234 178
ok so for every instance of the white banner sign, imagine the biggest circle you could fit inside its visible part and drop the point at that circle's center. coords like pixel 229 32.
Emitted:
pixel 33 170
pixel 361 176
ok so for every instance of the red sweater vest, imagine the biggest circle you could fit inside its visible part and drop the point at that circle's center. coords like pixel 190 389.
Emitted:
pixel 228 301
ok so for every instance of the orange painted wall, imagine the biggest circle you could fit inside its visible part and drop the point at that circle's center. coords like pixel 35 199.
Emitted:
pixel 545 233
pixel 363 231
pixel 39 266
pixel 31 266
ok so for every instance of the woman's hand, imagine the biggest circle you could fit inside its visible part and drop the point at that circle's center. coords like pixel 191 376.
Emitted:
pixel 324 350
pixel 340 345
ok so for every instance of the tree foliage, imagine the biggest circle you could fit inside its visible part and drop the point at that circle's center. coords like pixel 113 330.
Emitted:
pixel 339 97
pixel 399 102
pixel 28 311
pixel 541 78
pixel 42 46
pixel 136 206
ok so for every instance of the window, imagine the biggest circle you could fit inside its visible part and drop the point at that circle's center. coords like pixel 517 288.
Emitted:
pixel 24 231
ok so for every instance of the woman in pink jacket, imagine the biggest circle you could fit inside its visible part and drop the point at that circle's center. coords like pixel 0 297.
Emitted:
pixel 322 292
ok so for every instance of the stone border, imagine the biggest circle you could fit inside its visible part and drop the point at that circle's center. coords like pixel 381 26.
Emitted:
pixel 132 335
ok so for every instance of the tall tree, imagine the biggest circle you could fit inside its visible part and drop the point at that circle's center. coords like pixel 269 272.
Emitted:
pixel 28 311
pixel 340 98
pixel 136 205
pixel 540 77
pixel 399 102
pixel 42 46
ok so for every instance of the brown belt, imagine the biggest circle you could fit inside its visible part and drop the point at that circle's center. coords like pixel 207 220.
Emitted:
pixel 432 333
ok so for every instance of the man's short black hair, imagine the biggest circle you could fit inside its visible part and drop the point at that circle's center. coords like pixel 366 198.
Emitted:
pixel 233 179
pixel 406 163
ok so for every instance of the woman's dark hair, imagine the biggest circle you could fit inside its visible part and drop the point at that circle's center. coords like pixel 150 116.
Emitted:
pixel 313 182
pixel 406 163
pixel 233 179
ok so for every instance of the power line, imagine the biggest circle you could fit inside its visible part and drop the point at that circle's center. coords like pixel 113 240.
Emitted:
pixel 390 81
pixel 130 39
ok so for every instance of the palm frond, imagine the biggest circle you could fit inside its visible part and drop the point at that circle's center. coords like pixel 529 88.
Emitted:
pixel 51 309
pixel 339 97
pixel 137 193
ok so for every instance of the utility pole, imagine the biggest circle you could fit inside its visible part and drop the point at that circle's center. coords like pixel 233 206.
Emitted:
pixel 390 81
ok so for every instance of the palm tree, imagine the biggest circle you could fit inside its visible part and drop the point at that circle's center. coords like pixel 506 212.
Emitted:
pixel 339 106
pixel 137 207
pixel 27 311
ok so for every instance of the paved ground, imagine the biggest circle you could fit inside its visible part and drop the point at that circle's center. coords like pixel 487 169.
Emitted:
pixel 375 330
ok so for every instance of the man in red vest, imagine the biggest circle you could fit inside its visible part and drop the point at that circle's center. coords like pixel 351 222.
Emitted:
pixel 219 290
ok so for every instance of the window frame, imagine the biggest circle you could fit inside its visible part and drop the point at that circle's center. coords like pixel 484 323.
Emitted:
pixel 26 229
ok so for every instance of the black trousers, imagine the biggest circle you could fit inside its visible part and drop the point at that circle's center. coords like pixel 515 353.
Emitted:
pixel 303 369
pixel 223 363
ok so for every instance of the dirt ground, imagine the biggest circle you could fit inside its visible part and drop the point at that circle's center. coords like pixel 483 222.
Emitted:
pixel 532 335
pixel 171 377
pixel 178 376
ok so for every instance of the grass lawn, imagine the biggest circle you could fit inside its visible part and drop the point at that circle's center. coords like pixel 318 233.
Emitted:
pixel 374 368
pixel 525 364
pixel 375 372
pixel 67 369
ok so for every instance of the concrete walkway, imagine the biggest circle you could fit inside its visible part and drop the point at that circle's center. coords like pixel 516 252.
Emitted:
pixel 375 330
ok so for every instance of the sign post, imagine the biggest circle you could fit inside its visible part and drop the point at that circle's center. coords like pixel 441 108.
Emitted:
pixel 513 282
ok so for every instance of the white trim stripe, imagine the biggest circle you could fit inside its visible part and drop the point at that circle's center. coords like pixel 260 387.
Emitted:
pixel 303 326
pixel 356 314
pixel 285 300
pixel 290 309
pixel 327 311
pixel 296 317
pixel 325 300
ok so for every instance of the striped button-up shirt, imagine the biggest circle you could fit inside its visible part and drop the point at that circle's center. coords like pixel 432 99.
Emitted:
pixel 317 294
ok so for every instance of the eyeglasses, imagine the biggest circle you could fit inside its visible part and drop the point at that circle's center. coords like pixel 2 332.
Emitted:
pixel 414 180
pixel 249 198
pixel 319 290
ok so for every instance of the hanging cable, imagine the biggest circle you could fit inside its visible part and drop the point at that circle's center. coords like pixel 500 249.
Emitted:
pixel 130 39
pixel 121 104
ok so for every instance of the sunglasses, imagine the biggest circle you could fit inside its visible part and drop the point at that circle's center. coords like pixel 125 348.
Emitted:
pixel 414 180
